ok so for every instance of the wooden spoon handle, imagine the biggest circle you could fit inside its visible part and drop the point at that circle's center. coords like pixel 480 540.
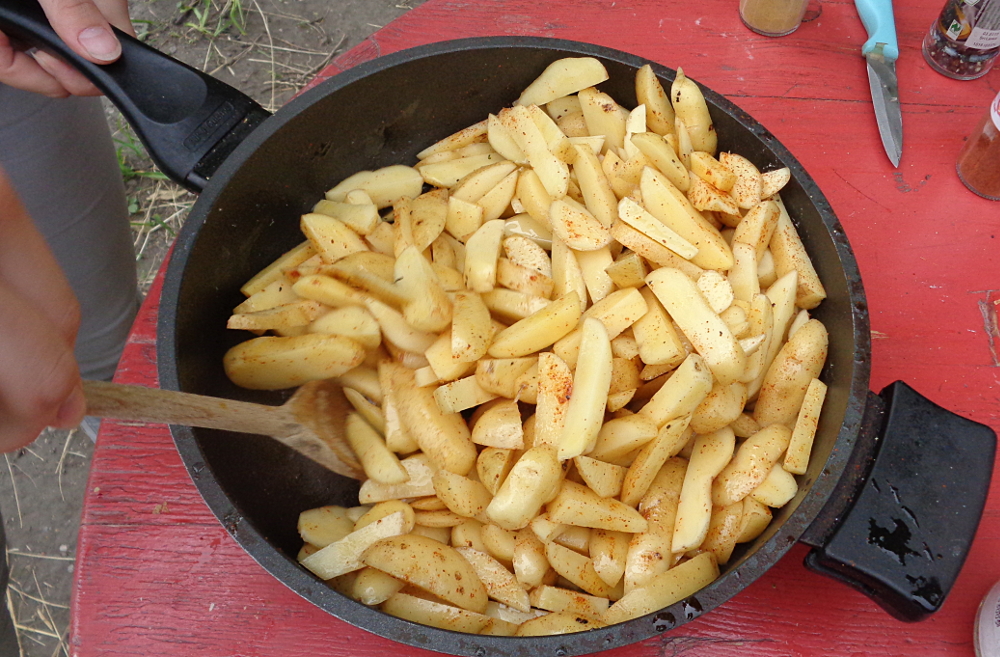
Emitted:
pixel 154 405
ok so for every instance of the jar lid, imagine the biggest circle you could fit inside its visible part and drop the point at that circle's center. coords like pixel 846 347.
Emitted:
pixel 986 635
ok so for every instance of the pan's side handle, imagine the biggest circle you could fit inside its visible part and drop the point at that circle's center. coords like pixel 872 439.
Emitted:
pixel 901 530
pixel 188 120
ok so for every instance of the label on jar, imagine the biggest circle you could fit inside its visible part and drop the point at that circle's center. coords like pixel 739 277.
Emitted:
pixel 975 23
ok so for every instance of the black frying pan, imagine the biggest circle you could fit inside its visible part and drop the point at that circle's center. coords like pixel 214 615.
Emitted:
pixel 871 504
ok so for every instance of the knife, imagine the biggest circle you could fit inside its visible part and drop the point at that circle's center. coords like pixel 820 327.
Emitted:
pixel 881 52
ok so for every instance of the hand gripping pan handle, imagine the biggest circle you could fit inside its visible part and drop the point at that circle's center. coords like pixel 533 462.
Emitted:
pixel 188 120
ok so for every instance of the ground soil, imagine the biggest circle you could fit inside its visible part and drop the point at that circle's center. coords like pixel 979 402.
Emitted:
pixel 268 49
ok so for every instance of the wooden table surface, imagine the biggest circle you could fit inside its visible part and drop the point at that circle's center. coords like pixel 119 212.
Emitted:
pixel 158 575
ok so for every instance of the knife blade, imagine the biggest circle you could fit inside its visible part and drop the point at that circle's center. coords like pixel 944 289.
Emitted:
pixel 881 52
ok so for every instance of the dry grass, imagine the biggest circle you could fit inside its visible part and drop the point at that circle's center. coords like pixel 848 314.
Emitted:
pixel 243 42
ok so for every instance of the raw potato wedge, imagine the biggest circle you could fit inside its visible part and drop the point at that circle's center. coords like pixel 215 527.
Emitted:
pixel 709 335
pixel 500 583
pixel 297 314
pixel 650 459
pixel 463 496
pixel 333 239
pixel 667 203
pixel 557 623
pixel 800 361
pixel 576 226
pixel 691 108
pixel 790 254
pixel 346 555
pixel 276 270
pixel 274 363
pixel 751 464
pixel 539 330
pixel 649 553
pixel 585 413
pixel 471 328
pixel 529 560
pixel 774 181
pixel 709 456
pixel 500 426
pixel 432 566
pixel 603 116
pixel 579 506
pixel 500 376
pixel 554 598
pixel 493 465
pixel 799 447
pixel 650 93
pixel 352 322
pixel 473 134
pixel 748 188
pixel 373 587
pixel 442 436
pixel 755 519
pixel 532 482
pixel 362 218
pixel 481 254
pixel 712 171
pixel 555 387
pixel 578 569
pixel 665 589
pixel 681 393
pixel 324 525
pixel 637 217
pixel 603 478
pixel 663 156
pixel 428 307
pixel 562 78
pixel 383 186
pixel 551 171
pixel 419 484
pixel 379 463
pixel 777 489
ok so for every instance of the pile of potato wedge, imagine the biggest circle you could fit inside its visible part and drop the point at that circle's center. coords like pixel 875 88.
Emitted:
pixel 577 342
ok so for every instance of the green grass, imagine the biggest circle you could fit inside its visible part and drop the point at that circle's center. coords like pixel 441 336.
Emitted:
pixel 127 147
pixel 211 21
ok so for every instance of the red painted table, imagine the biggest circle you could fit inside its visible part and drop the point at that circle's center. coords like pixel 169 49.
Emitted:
pixel 158 575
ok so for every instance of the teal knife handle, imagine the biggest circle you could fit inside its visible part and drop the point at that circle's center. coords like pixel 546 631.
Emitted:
pixel 876 15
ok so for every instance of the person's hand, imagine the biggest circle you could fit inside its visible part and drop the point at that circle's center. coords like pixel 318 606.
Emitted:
pixel 39 380
pixel 85 25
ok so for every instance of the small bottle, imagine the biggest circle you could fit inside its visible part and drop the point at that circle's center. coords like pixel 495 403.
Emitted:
pixel 965 39
pixel 773 17
pixel 979 162
pixel 986 637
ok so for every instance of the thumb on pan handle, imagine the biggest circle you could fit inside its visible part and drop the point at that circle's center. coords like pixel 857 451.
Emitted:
pixel 188 120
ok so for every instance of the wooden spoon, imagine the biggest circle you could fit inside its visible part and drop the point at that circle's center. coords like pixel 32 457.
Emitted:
pixel 311 422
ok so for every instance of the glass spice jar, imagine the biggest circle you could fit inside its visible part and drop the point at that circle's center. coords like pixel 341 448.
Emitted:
pixel 965 40
pixel 773 17
pixel 979 162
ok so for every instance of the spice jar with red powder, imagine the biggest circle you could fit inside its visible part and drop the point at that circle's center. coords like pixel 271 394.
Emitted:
pixel 979 162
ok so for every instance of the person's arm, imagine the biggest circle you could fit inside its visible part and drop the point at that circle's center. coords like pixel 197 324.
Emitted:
pixel 85 25
pixel 39 316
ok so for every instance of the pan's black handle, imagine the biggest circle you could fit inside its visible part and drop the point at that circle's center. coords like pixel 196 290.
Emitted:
pixel 188 121
pixel 900 523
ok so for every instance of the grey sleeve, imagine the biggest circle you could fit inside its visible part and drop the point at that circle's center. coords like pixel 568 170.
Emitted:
pixel 60 157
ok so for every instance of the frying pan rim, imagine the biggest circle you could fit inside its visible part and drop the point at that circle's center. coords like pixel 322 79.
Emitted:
pixel 286 570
